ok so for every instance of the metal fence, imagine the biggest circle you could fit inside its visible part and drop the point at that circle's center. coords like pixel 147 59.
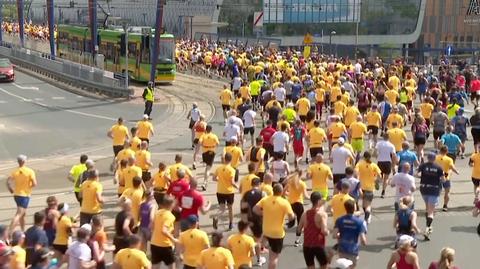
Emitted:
pixel 77 75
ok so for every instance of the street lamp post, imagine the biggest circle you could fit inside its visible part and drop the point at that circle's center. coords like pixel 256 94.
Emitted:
pixel 332 33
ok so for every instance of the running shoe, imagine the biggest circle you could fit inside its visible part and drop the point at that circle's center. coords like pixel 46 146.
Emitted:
pixel 383 194
pixel 261 261
pixel 297 243
pixel 445 208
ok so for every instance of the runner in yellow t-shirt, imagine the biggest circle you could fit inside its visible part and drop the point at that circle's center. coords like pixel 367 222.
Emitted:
pixel 20 183
pixel 192 242
pixel 132 256
pixel 209 142
pixel 145 129
pixel 92 200
pixel 447 165
pixel 163 242
pixel 242 245
pixel 320 174
pixel 216 256
pixel 374 122
pixel 226 97
pixel 119 134
pixel 368 173
pixel 225 177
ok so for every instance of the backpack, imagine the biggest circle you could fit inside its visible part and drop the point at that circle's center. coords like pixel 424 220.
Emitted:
pixel 253 154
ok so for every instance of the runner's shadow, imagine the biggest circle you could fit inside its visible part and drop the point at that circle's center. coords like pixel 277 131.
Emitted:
pixel 464 229
pixel 377 248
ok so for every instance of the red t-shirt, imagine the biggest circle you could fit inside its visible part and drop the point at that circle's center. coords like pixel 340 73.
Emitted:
pixel 190 202
pixel 177 188
pixel 475 85
pixel 267 133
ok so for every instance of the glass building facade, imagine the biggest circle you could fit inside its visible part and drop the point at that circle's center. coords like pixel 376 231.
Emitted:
pixel 297 17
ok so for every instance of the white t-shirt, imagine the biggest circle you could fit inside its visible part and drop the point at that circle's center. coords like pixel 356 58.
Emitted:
pixel 403 183
pixel 237 121
pixel 385 149
pixel 280 141
pixel 237 83
pixel 195 114
pixel 340 155
pixel 358 68
pixel 249 118
pixel 231 131
pixel 78 252
pixel 279 170
pixel 280 94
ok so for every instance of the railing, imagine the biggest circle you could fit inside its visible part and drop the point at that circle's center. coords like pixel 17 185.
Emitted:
pixel 76 75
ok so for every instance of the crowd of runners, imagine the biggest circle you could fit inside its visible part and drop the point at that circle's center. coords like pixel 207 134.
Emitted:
pixel 33 31
pixel 331 131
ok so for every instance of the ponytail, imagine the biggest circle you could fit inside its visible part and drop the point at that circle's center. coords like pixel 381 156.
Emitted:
pixel 446 258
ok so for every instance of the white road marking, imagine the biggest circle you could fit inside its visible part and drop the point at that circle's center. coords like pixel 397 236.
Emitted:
pixel 58 98
pixel 67 110
pixel 38 99
pixel 3 102
pixel 25 87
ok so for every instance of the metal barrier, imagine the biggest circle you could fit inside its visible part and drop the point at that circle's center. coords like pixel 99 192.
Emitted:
pixel 77 75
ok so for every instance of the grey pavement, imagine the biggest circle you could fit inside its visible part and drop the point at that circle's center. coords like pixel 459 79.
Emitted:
pixel 455 228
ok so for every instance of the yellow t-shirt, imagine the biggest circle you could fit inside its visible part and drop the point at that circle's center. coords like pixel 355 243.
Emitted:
pixel 159 180
pixel 303 105
pixel 216 258
pixel 295 192
pixel 337 129
pixel 135 143
pixel 90 204
pixel 320 95
pixel 141 158
pixel 320 174
pixel 163 218
pixel 396 137
pixel 75 172
pixel 316 137
pixel 209 142
pixel 125 154
pixel 475 159
pixel 392 96
pixel 194 242
pixel 275 209
pixel 64 226
pixel 132 258
pixel 120 174
pixel 367 174
pixel 340 108
pixel 338 205
pixel 144 129
pixel 395 117
pixel 136 196
pixel 394 81
pixel 119 134
pixel 446 163
pixel 374 119
pixel 23 177
pixel 226 97
pixel 426 110
pixel 237 155
pixel 358 129
pixel 225 176
pixel 245 92
pixel 267 189
pixel 241 246
pixel 351 114
pixel 172 169
pixel 19 257
pixel 130 173
pixel 246 183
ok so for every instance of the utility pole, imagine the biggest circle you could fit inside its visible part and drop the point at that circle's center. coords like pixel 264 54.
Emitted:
pixel 125 28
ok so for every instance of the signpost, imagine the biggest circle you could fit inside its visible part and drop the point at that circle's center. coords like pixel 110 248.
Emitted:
pixel 21 22
pixel 51 27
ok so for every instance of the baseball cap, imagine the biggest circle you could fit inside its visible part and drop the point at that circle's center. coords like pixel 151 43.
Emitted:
pixel 192 219
pixel 405 240
pixel 341 140
pixel 86 227
pixel 431 156
pixel 145 116
pixel 17 236
pixel 341 263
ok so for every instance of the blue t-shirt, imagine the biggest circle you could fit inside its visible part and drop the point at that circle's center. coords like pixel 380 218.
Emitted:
pixel 350 228
pixel 296 90
pixel 35 236
pixel 452 141
pixel 407 156
pixel 460 125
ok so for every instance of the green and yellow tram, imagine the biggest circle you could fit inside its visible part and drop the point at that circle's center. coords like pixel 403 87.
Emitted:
pixel 73 43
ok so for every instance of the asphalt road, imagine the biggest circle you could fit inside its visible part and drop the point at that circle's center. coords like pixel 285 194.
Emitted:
pixel 455 228
pixel 39 120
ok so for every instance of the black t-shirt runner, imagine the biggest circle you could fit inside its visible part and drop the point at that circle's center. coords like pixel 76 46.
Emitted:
pixel 252 197
pixel 430 179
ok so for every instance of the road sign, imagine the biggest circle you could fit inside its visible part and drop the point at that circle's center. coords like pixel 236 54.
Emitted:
pixel 258 19
pixel 449 50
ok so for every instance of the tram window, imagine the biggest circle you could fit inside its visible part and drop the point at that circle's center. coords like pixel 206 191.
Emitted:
pixel 88 46
pixel 132 50
pixel 145 55
pixel 110 52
